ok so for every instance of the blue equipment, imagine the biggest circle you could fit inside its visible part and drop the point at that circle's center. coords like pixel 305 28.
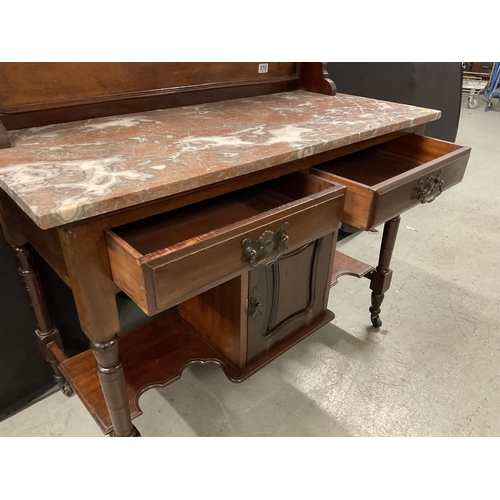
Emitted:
pixel 493 90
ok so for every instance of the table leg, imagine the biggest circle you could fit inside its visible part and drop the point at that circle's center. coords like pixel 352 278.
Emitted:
pixel 46 331
pixel 86 257
pixel 380 278
pixel 110 372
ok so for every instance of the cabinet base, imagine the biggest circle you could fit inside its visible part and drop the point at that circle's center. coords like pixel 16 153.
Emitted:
pixel 154 355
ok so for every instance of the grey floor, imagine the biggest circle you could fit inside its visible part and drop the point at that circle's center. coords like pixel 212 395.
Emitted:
pixel 432 370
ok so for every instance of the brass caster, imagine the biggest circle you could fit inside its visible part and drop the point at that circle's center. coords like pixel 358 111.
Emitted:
pixel 67 390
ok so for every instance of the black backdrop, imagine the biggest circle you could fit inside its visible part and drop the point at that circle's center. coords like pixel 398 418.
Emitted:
pixel 429 85
pixel 23 371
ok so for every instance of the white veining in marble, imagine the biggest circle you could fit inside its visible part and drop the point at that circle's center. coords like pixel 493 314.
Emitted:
pixel 97 180
pixel 71 171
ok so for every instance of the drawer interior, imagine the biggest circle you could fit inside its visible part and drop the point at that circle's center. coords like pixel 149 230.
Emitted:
pixel 172 228
pixel 385 161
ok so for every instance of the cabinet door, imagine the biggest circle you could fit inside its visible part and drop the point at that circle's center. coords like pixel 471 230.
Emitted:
pixel 287 295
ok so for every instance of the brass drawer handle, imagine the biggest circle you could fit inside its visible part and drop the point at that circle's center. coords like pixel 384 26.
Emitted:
pixel 254 251
pixel 430 189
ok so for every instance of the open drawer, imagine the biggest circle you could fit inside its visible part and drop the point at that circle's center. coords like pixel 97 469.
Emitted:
pixel 385 180
pixel 168 258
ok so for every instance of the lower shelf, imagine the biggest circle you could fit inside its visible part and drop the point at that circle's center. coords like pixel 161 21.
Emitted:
pixel 343 265
pixel 154 355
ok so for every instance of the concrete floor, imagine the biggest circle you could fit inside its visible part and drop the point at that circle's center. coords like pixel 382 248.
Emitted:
pixel 432 370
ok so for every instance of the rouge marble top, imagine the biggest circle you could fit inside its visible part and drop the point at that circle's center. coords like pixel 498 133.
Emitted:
pixel 68 172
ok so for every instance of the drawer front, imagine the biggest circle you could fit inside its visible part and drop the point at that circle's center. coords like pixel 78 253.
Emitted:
pixel 196 272
pixel 419 188
pixel 165 277
pixel 388 179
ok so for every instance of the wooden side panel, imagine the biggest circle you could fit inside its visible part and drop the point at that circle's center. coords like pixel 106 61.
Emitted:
pixel 360 201
pixel 299 185
pixel 126 271
pixel 419 148
pixel 314 78
pixel 333 252
pixel 23 229
pixel 10 229
pixel 219 316
pixel 89 275
pixel 321 160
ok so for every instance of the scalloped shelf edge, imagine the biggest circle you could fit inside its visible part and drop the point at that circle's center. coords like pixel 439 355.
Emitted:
pixel 155 355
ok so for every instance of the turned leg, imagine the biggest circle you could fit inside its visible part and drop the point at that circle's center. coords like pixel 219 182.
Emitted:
pixel 380 278
pixel 46 331
pixel 87 263
pixel 110 371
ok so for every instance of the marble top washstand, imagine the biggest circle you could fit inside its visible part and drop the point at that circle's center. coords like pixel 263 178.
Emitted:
pixel 68 172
